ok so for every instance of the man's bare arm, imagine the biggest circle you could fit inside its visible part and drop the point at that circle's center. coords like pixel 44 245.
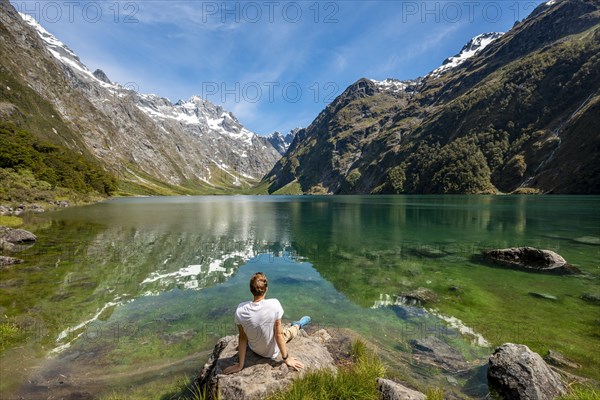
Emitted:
pixel 243 343
pixel 290 361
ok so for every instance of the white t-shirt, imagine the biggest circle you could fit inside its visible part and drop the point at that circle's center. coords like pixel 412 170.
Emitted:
pixel 258 320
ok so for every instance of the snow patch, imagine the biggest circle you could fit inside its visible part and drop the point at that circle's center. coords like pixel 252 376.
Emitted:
pixel 392 85
pixel 474 46
pixel 53 44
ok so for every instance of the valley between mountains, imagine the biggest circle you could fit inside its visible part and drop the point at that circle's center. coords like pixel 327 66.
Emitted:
pixel 513 112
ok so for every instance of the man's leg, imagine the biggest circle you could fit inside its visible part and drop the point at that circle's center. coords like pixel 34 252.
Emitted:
pixel 291 332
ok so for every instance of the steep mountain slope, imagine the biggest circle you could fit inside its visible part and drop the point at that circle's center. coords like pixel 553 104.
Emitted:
pixel 512 112
pixel 143 139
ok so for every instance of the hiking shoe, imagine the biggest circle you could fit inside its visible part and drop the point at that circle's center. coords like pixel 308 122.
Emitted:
pixel 302 322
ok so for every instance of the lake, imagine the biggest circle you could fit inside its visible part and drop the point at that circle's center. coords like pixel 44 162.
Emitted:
pixel 130 295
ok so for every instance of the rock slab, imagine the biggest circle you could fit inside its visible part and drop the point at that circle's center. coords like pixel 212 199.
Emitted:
pixel 531 259
pixel 390 390
pixel 517 373
pixel 16 236
pixel 418 297
pixel 261 376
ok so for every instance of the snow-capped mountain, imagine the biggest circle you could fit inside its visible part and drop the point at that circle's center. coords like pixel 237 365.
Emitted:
pixel 474 46
pixel 408 87
pixel 282 143
pixel 466 126
pixel 145 135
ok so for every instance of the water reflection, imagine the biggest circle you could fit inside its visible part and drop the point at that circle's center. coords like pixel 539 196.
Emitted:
pixel 134 281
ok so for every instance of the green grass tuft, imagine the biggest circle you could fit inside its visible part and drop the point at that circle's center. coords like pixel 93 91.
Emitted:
pixel 435 394
pixel 353 382
pixel 10 334
pixel 582 392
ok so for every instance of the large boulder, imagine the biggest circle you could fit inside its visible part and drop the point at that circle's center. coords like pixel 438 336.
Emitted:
pixel 390 390
pixel 16 236
pixel 531 259
pixel 437 353
pixel 517 373
pixel 260 376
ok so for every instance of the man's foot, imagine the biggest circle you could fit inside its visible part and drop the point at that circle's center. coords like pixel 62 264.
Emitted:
pixel 302 322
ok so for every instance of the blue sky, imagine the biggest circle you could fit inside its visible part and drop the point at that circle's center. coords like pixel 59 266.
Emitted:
pixel 274 64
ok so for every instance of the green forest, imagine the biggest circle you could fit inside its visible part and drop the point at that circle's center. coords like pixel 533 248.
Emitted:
pixel 35 170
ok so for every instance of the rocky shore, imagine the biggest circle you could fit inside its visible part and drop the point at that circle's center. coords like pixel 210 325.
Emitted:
pixel 12 241
pixel 513 370
pixel 22 208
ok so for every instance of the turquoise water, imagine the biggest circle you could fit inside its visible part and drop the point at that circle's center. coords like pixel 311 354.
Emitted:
pixel 134 291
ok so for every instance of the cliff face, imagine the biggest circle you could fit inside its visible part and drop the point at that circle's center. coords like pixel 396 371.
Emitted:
pixel 514 115
pixel 143 139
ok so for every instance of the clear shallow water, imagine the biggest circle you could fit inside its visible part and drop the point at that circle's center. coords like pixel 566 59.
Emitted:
pixel 133 291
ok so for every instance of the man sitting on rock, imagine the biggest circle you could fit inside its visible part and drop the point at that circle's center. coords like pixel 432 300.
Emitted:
pixel 259 325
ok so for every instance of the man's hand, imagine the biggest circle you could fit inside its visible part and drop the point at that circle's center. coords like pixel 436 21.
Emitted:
pixel 294 363
pixel 232 369
pixel 243 342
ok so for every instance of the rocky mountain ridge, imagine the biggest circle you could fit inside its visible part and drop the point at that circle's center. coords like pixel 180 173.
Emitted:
pixel 282 143
pixel 143 139
pixel 511 113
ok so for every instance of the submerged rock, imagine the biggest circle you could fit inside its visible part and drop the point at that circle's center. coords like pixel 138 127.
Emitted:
pixel 588 240
pixel 172 338
pixel 437 353
pixel 16 236
pixel 4 261
pixel 593 298
pixel 418 297
pixel 516 372
pixel 390 390
pixel 429 251
pixel 261 376
pixel 11 283
pixel 543 296
pixel 531 259
pixel 559 360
